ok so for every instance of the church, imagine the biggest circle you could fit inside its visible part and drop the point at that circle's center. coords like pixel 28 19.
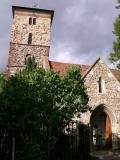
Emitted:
pixel 30 37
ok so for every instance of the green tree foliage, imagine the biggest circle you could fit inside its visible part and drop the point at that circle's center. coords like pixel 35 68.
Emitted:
pixel 2 80
pixel 118 6
pixel 38 105
pixel 115 55
pixel 30 64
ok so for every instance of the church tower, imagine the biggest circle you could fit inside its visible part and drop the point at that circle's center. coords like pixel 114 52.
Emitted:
pixel 30 37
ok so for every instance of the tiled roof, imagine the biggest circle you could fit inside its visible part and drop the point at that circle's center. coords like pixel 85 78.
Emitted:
pixel 116 73
pixel 61 68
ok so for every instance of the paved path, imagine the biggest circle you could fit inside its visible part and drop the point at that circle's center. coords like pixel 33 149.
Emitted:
pixel 106 155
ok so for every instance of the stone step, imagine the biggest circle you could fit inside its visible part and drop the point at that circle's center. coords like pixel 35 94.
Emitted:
pixel 105 155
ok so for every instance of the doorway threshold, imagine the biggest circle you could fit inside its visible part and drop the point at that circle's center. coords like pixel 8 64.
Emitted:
pixel 105 155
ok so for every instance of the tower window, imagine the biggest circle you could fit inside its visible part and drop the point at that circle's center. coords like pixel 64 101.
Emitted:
pixel 30 62
pixel 34 21
pixel 30 20
pixel 30 38
pixel 100 85
pixel 27 58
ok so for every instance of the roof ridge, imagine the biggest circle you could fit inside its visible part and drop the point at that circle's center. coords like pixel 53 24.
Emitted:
pixel 61 67
pixel 88 65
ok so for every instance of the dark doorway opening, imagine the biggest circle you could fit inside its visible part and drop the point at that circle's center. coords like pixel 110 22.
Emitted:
pixel 101 131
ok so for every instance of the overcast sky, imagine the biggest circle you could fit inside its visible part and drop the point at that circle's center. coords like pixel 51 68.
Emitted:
pixel 81 29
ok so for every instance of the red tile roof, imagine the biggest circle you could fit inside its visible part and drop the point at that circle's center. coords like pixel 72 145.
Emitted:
pixel 116 73
pixel 61 68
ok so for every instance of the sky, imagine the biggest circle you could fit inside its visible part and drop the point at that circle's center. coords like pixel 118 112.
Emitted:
pixel 81 29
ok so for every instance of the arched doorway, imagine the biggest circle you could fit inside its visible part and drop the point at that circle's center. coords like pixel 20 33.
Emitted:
pixel 101 130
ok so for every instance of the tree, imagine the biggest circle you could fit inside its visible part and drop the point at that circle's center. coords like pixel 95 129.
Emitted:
pixel 39 104
pixel 2 80
pixel 30 63
pixel 115 55
pixel 118 4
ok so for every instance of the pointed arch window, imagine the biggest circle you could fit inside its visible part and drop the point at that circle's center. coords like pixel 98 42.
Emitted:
pixel 30 38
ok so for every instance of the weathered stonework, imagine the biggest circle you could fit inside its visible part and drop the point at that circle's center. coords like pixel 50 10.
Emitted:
pixel 19 47
pixel 110 99
pixel 40 31
pixel 18 53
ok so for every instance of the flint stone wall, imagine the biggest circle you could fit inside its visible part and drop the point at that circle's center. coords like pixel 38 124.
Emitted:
pixel 110 98
pixel 19 47
pixel 19 52
pixel 21 28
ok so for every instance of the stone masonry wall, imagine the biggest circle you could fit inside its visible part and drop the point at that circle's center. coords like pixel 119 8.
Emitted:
pixel 19 47
pixel 110 97
pixel 19 52
pixel 21 28
pixel 11 70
